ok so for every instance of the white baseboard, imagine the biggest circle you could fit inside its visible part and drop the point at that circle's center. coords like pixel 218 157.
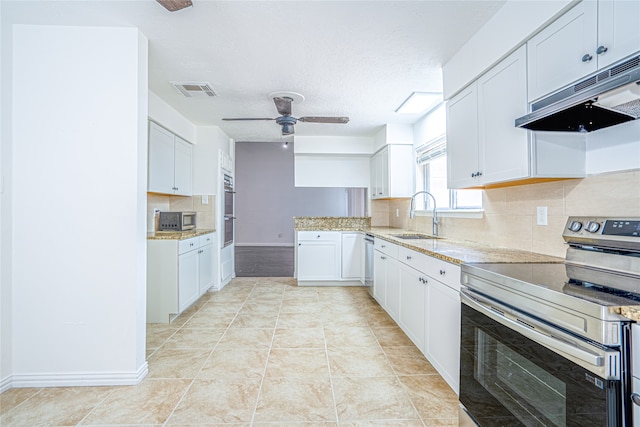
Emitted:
pixel 78 379
pixel 5 384
pixel 330 283
pixel 284 245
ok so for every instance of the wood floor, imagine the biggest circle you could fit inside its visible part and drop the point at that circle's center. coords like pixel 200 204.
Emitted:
pixel 264 261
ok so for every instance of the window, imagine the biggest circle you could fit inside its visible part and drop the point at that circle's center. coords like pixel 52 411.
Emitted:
pixel 431 173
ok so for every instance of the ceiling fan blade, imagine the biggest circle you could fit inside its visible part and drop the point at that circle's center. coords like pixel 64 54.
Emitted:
pixel 173 5
pixel 315 119
pixel 283 105
pixel 247 118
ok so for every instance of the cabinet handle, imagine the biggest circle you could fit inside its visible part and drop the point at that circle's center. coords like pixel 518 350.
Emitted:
pixel 443 272
pixel 383 246
pixel 473 175
pixel 191 244
pixel 601 49
pixel 408 258
pixel 587 57
pixel 318 236
pixel 299 244
pixel 383 257
pixel 479 174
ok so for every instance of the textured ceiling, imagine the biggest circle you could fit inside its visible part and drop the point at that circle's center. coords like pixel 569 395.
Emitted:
pixel 348 58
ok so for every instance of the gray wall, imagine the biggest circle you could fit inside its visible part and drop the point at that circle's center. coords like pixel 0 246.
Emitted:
pixel 266 199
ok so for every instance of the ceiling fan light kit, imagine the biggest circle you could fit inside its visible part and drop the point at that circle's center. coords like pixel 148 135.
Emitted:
pixel 283 101
pixel 173 5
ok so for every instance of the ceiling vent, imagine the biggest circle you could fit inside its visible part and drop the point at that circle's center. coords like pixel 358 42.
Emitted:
pixel 195 89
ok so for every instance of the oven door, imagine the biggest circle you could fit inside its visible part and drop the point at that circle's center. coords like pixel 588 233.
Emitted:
pixel 510 376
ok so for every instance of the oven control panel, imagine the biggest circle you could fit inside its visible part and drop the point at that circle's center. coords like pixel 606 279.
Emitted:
pixel 604 231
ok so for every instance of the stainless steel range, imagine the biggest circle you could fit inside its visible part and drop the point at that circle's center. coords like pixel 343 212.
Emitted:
pixel 550 344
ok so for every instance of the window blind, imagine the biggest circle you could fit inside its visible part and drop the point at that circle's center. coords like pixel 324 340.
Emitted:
pixel 433 149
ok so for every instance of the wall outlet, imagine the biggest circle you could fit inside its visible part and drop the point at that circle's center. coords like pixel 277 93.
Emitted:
pixel 397 213
pixel 541 215
pixel 205 200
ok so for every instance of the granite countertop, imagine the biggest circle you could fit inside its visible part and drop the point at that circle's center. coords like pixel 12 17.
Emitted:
pixel 453 251
pixel 177 235
pixel 460 251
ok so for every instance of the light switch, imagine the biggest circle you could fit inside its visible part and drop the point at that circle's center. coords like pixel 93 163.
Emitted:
pixel 541 215
pixel 397 213
pixel 205 200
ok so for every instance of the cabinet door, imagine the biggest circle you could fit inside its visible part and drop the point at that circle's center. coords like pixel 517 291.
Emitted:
pixel 161 154
pixel 443 331
pixel 502 97
pixel 182 167
pixel 383 173
pixel 392 288
pixel 188 289
pixel 559 54
pixel 380 278
pixel 352 260
pixel 462 139
pixel 412 304
pixel 618 30
pixel 400 167
pixel 318 260
pixel 205 268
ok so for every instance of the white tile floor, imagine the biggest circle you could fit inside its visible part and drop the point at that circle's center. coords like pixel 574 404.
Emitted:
pixel 262 352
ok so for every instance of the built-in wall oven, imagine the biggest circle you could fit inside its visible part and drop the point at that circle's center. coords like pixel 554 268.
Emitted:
pixel 550 344
pixel 228 216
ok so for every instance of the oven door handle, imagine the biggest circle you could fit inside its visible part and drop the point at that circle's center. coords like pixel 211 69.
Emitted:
pixel 604 362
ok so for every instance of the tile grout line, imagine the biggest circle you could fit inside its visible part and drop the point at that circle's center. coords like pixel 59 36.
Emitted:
pixel 264 371
pixel 193 380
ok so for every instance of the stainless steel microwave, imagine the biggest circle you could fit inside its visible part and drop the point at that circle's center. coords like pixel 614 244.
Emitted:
pixel 177 221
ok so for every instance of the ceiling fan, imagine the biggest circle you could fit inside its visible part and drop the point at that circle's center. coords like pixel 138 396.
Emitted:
pixel 287 121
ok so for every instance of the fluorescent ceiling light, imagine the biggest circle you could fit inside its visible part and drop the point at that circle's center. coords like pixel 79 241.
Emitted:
pixel 419 102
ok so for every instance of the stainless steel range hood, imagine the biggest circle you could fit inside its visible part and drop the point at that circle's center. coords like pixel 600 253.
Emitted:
pixel 607 98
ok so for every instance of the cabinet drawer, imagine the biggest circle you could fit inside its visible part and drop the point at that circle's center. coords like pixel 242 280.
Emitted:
pixel 207 239
pixel 445 272
pixel 188 245
pixel 319 235
pixel 386 248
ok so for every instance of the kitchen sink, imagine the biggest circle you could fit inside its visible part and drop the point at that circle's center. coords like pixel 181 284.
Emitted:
pixel 414 236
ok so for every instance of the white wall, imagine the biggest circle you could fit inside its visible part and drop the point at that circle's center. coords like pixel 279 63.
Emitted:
pixel 332 161
pixel 167 116
pixel 266 199
pixel 514 23
pixel 79 170
pixel 614 148
pixel 6 359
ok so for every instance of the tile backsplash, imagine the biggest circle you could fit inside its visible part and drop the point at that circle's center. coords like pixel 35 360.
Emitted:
pixel 205 213
pixel 509 218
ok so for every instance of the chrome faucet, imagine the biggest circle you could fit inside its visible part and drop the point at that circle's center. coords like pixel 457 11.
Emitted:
pixel 412 210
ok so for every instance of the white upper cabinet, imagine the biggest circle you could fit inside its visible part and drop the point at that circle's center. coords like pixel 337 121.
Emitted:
pixel 170 160
pixel 618 30
pixel 392 172
pixel 502 97
pixel 590 36
pixel 462 139
pixel 483 145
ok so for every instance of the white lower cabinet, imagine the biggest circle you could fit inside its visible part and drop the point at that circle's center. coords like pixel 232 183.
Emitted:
pixel 412 297
pixel 421 293
pixel 318 255
pixel 187 279
pixel 351 260
pixel 178 273
pixel 333 258
pixel 442 331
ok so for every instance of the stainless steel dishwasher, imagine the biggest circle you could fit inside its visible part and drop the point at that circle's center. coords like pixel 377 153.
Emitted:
pixel 368 263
